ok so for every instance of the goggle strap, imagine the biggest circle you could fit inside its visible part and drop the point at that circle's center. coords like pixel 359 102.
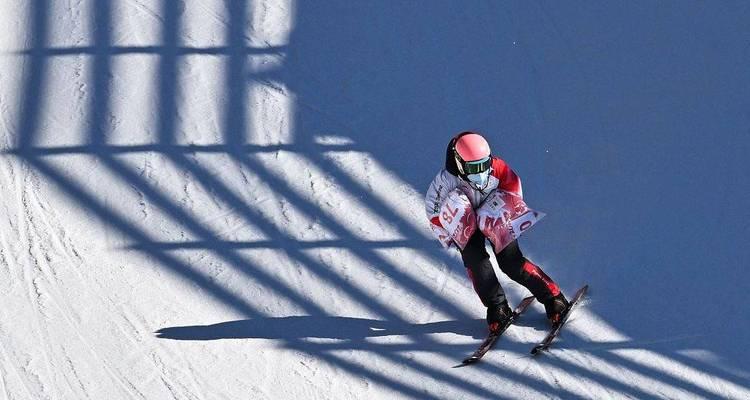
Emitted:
pixel 459 162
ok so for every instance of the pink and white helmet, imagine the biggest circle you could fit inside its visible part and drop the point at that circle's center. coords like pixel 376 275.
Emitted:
pixel 472 154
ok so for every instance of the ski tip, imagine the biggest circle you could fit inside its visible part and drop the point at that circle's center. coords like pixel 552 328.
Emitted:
pixel 580 293
pixel 538 349
pixel 468 361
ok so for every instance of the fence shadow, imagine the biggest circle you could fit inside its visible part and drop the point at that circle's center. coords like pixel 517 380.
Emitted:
pixel 398 81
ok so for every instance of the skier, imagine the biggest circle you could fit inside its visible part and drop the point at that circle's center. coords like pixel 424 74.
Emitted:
pixel 472 174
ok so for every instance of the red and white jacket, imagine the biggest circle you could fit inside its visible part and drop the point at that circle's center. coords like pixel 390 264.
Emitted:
pixel 501 176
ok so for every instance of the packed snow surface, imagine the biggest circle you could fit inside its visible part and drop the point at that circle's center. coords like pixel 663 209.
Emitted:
pixel 213 199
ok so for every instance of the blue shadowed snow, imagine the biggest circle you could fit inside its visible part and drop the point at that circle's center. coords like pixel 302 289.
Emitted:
pixel 629 124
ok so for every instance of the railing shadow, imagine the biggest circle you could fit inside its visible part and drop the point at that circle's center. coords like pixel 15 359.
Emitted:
pixel 311 72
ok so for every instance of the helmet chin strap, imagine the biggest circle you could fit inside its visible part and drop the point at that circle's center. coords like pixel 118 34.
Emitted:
pixel 481 189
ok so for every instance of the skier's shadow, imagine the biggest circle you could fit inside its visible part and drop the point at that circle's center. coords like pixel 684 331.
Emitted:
pixel 328 327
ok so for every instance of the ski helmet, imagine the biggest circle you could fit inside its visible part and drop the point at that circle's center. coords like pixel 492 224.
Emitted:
pixel 472 154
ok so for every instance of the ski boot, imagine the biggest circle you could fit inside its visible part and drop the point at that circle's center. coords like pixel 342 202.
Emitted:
pixel 555 307
pixel 498 315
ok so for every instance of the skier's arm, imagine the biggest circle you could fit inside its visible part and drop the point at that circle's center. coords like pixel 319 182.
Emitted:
pixel 509 181
pixel 436 195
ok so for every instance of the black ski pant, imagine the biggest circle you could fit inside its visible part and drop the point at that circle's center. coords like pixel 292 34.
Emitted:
pixel 512 263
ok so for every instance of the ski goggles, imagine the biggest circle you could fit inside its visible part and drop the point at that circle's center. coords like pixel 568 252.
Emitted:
pixel 475 167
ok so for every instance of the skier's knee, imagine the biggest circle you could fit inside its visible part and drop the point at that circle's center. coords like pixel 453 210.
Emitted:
pixel 512 266
pixel 514 270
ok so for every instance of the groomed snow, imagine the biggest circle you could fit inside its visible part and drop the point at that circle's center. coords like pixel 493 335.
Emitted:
pixel 223 199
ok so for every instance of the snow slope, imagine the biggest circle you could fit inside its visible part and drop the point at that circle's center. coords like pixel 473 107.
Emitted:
pixel 223 199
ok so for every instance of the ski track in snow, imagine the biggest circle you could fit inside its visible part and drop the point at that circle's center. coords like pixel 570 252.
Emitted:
pixel 46 294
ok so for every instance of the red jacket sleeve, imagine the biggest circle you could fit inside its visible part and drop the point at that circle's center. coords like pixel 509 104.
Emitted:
pixel 509 181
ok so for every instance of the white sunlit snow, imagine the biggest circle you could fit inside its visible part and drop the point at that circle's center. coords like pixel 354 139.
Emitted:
pixel 224 199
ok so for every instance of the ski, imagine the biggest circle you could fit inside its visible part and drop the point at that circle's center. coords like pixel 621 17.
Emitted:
pixel 494 336
pixel 544 344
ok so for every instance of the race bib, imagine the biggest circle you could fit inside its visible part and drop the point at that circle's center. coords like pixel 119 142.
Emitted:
pixel 458 218
pixel 504 216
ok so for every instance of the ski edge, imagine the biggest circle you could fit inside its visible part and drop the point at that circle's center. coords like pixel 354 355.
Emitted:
pixel 489 342
pixel 547 341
